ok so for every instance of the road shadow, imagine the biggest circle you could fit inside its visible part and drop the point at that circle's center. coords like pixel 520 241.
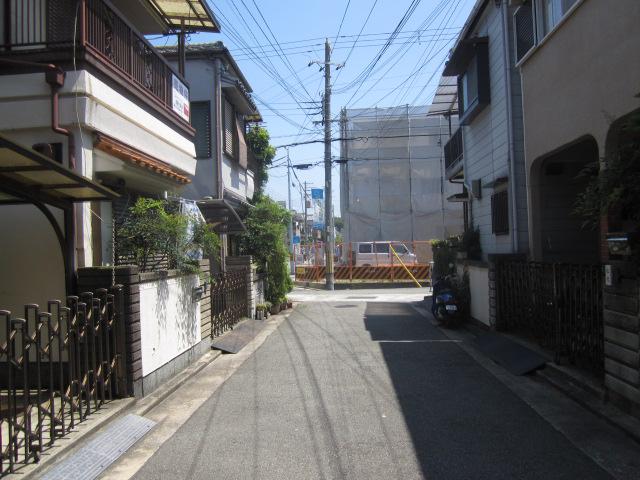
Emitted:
pixel 463 422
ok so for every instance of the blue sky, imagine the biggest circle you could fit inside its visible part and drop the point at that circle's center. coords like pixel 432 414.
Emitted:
pixel 273 41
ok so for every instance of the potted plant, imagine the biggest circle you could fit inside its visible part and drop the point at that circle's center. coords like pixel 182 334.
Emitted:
pixel 283 303
pixel 289 302
pixel 275 308
pixel 267 309
pixel 260 311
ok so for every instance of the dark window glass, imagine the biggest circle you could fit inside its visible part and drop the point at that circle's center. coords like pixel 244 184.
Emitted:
pixel 500 213
pixel 364 248
pixel 201 121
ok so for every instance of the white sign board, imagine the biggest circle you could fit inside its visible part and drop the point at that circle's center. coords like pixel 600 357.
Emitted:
pixel 180 97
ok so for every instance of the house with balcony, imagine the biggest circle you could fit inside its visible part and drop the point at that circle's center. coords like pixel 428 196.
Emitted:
pixel 221 112
pixel 578 61
pixel 93 117
pixel 485 154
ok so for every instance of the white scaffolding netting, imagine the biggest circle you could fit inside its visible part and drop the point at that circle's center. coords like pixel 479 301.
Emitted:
pixel 393 184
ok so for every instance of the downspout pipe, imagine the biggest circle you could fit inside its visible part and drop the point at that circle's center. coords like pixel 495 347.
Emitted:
pixel 217 88
pixel 515 246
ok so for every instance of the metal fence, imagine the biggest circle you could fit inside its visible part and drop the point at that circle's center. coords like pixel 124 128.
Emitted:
pixel 558 305
pixel 229 294
pixel 57 367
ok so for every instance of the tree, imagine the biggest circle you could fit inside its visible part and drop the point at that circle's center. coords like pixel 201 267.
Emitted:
pixel 258 141
pixel 264 240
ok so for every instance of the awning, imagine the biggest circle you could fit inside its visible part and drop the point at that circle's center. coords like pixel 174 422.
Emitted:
pixel 222 215
pixel 26 175
pixel 194 15
pixel 462 55
pixel 445 101
pixel 458 197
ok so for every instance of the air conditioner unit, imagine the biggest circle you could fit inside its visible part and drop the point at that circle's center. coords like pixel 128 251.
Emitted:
pixel 476 188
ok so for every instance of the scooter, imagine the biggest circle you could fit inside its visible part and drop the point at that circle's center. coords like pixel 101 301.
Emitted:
pixel 445 305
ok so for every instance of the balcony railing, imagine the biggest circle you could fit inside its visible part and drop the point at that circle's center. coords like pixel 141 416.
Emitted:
pixel 453 151
pixel 96 29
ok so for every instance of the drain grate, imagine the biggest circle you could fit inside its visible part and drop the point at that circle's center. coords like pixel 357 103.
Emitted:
pixel 105 448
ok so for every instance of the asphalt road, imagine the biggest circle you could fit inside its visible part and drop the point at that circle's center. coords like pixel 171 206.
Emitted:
pixel 365 391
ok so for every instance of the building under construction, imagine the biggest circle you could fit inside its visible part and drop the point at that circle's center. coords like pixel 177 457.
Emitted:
pixel 392 176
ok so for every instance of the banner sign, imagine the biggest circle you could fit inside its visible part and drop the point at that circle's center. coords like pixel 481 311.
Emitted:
pixel 317 197
pixel 180 97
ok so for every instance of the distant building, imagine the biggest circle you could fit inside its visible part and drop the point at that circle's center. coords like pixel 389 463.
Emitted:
pixel 392 177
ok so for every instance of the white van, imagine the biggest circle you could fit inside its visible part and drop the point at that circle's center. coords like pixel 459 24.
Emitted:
pixel 366 254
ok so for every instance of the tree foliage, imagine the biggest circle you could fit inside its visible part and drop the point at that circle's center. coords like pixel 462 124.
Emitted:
pixel 615 189
pixel 154 234
pixel 258 141
pixel 265 241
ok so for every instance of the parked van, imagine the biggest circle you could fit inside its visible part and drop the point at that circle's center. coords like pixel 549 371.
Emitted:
pixel 379 253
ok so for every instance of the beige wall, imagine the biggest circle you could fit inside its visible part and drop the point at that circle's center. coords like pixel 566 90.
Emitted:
pixel 575 83
pixel 582 76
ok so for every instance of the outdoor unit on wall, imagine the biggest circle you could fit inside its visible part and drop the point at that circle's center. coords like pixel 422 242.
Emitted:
pixel 476 188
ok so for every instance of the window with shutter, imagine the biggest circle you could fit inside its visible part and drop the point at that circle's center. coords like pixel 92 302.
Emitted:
pixel 201 121
pixel 229 136
pixel 525 30
pixel 500 213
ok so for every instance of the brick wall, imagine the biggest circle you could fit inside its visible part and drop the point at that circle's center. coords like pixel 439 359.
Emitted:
pixel 128 276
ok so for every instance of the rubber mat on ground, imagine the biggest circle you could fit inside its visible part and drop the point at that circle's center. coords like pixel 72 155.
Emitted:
pixel 516 358
pixel 236 339
pixel 89 461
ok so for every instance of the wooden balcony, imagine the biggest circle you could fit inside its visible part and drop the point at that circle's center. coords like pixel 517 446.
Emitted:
pixel 93 34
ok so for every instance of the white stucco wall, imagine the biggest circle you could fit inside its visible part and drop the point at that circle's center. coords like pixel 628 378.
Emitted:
pixel 479 287
pixel 169 320
pixel 31 261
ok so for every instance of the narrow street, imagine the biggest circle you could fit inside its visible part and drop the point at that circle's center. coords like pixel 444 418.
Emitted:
pixel 360 389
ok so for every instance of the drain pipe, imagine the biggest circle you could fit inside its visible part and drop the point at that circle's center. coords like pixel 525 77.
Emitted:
pixel 507 75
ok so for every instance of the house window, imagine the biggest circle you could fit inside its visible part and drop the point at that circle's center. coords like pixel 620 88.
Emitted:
pixel 500 213
pixel 551 12
pixel 201 121
pixel 229 138
pixel 473 84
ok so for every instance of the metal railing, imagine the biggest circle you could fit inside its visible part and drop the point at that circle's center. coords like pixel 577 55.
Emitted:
pixel 557 305
pixel 57 367
pixel 453 149
pixel 97 28
pixel 229 295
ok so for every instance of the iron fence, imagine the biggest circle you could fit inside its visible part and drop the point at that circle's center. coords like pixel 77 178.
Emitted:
pixel 57 367
pixel 229 294
pixel 558 305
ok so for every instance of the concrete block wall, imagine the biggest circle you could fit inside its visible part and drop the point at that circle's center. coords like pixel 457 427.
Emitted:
pixel 622 338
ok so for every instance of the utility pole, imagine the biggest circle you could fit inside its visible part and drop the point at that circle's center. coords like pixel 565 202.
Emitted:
pixel 328 208
pixel 291 252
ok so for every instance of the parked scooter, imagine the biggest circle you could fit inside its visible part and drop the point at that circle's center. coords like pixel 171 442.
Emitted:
pixel 445 304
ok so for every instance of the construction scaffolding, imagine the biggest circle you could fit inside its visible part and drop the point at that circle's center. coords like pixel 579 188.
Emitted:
pixel 392 175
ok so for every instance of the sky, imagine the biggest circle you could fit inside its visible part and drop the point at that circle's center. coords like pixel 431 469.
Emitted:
pixel 393 53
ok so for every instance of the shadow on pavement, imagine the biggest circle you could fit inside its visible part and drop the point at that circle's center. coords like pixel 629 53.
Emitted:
pixel 463 422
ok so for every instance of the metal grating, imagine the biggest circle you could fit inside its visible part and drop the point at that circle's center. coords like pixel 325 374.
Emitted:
pixel 104 449
pixel 524 30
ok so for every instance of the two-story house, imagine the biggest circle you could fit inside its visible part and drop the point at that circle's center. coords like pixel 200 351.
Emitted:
pixel 579 62
pixel 221 109
pixel 80 83
pixel 486 152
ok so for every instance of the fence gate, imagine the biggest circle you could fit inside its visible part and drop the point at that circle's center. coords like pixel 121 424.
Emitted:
pixel 57 366
pixel 558 305
pixel 229 293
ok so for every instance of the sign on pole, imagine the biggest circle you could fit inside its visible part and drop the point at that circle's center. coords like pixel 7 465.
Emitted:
pixel 317 197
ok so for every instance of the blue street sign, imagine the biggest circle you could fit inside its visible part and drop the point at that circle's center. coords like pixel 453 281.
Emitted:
pixel 296 239
pixel 317 193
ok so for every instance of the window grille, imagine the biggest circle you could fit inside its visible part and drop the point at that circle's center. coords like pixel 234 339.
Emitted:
pixel 524 27
pixel 229 129
pixel 500 213
pixel 201 121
